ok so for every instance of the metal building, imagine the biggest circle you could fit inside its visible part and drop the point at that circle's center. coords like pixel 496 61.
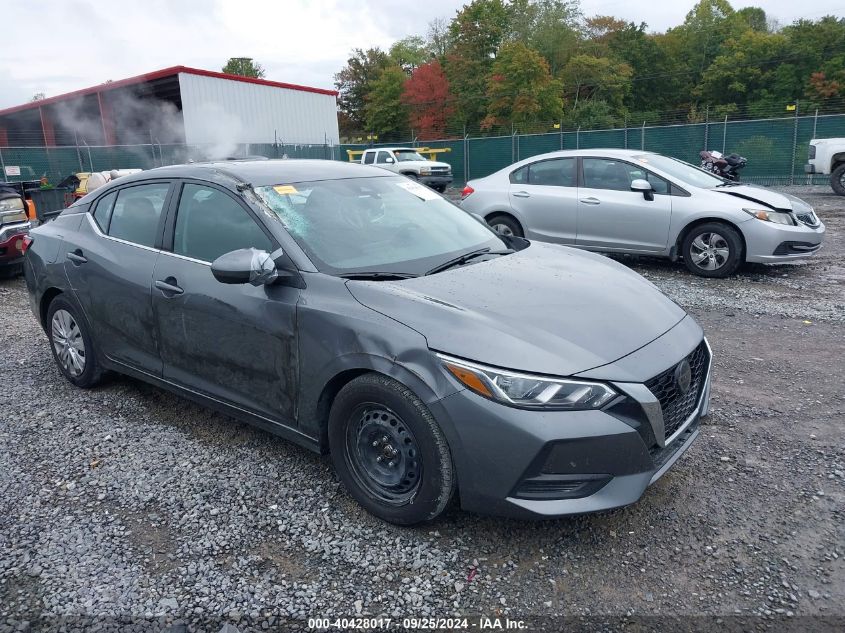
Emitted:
pixel 176 105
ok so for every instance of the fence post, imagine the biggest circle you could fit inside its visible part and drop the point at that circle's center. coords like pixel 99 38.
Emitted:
pixel 561 133
pixel 578 138
pixel 642 137
pixel 815 123
pixel 78 153
pixel 725 134
pixel 513 149
pixel 466 155
pixel 706 126
pixel 794 146
pixel 2 166
pixel 626 131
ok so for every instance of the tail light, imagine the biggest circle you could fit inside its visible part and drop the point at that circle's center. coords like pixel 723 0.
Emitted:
pixel 24 243
pixel 466 191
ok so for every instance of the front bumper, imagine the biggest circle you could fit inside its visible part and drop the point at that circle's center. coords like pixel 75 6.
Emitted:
pixel 541 464
pixel 770 243
pixel 809 168
pixel 10 243
pixel 436 180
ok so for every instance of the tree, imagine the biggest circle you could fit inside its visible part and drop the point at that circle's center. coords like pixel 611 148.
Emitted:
pixel 587 77
pixel 244 67
pixel 426 93
pixel 554 31
pixel 437 37
pixel 521 90
pixel 410 52
pixel 385 113
pixel 476 33
pixel 355 81
pixel 38 96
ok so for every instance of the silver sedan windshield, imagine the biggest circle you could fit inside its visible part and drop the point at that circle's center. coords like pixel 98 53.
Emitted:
pixel 684 172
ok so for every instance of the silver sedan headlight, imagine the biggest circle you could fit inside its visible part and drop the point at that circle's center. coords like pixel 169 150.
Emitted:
pixel 528 391
pixel 767 215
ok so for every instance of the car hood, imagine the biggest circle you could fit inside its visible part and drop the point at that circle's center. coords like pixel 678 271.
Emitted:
pixel 767 197
pixel 424 163
pixel 547 309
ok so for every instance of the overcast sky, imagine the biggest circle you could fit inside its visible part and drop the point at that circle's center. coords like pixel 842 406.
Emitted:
pixel 71 44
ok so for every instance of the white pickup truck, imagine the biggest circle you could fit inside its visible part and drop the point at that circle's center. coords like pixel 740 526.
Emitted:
pixel 407 161
pixel 827 157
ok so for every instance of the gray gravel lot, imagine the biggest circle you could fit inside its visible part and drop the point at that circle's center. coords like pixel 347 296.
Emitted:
pixel 128 501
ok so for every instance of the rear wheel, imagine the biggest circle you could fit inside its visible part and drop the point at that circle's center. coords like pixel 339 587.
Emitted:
pixel 71 344
pixel 837 179
pixel 505 225
pixel 713 250
pixel 389 451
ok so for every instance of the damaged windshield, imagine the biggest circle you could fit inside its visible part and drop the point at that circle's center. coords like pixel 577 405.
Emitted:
pixel 684 172
pixel 375 225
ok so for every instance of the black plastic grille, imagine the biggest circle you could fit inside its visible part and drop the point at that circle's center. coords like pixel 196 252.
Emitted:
pixel 677 406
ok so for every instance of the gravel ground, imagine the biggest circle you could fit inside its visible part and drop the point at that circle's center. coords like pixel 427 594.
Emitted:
pixel 125 501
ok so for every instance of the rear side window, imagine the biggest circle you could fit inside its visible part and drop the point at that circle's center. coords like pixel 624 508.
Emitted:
pixel 137 212
pixel 557 172
pixel 210 223
pixel 369 157
pixel 102 212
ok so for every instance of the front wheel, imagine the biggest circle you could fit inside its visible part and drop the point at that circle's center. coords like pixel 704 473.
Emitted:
pixel 713 250
pixel 389 451
pixel 505 225
pixel 837 179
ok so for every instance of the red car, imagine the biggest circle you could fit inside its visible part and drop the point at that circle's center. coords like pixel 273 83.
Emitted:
pixel 14 231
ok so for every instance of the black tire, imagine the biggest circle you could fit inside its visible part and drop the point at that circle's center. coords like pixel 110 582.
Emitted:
pixel 502 223
pixel 375 406
pixel 91 372
pixel 440 188
pixel 9 272
pixel 837 179
pixel 412 176
pixel 721 246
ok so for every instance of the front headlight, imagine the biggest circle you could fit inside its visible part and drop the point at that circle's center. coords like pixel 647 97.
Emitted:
pixel 778 217
pixel 425 171
pixel 528 391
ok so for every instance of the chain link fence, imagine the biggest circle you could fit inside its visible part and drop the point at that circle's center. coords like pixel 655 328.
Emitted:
pixel 776 148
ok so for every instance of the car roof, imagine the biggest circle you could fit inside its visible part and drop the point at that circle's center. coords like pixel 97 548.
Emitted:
pixel 261 173
pixel 392 149
pixel 594 151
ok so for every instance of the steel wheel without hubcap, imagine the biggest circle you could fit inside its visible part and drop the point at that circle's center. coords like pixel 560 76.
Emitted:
pixel 382 454
pixel 68 342
pixel 709 251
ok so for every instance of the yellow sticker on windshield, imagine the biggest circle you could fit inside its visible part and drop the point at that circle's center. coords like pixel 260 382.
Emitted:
pixel 285 189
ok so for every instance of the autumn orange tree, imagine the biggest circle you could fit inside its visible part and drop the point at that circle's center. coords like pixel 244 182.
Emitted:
pixel 429 101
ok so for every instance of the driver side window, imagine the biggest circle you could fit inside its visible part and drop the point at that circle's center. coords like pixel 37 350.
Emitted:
pixel 382 157
pixel 210 223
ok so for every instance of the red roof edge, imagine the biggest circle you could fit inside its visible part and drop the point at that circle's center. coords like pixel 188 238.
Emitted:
pixel 159 74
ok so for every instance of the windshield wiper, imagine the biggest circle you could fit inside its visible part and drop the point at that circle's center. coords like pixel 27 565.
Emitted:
pixel 376 275
pixel 463 259
pixel 729 183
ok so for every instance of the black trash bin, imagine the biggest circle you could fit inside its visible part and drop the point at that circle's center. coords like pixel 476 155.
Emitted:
pixel 48 202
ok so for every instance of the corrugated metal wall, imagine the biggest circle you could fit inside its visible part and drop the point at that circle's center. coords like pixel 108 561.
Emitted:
pixel 220 111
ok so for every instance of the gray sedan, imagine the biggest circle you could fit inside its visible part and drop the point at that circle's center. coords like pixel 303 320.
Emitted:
pixel 627 201
pixel 360 314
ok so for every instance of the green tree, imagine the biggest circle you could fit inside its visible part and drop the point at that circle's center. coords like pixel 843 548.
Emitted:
pixel 554 31
pixel 384 111
pixel 742 72
pixel 600 78
pixel 244 67
pixel 410 52
pixel 521 90
pixel 354 82
pixel 654 72
pixel 476 33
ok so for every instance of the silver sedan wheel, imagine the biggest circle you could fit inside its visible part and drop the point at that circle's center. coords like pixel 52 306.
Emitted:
pixel 502 229
pixel 68 343
pixel 710 251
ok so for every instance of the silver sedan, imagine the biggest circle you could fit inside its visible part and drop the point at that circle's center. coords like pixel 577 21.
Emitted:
pixel 628 201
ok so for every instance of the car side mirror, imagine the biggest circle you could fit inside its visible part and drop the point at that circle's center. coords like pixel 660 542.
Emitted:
pixel 644 187
pixel 389 160
pixel 245 266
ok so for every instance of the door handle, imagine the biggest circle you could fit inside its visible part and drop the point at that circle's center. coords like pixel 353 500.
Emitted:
pixel 77 257
pixel 590 200
pixel 521 194
pixel 168 287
